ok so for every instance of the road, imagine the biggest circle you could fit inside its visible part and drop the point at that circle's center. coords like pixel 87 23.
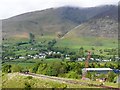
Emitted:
pixel 65 80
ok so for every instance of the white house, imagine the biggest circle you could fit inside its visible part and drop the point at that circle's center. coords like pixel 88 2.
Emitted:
pixel 80 59
pixel 21 57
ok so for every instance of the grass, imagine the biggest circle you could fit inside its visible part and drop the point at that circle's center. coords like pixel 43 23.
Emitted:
pixel 24 52
pixel 111 84
pixel 53 60
pixel 14 80
pixel 31 62
pixel 0 79
pixel 22 64
pixel 88 42
pixel 73 42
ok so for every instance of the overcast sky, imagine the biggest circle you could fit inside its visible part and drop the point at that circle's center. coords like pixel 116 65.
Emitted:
pixel 9 8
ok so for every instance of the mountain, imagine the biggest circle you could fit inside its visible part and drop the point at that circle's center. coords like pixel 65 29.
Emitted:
pixel 104 24
pixel 59 20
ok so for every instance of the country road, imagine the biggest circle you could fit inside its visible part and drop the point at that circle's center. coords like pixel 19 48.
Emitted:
pixel 65 80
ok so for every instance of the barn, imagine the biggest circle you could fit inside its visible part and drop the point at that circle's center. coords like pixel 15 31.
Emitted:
pixel 98 70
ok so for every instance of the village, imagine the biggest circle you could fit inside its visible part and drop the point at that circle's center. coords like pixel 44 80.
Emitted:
pixel 53 54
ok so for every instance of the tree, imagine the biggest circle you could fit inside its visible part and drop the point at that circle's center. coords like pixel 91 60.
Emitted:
pixel 6 68
pixel 100 51
pixel 56 55
pixel 16 68
pixel 92 65
pixel 41 68
pixel 73 74
pixel 93 48
pixel 32 38
pixel 35 68
pixel 110 76
pixel 27 86
pixel 81 52
pixel 51 44
pixel 73 57
pixel 102 75
pixel 89 75
pixel 52 72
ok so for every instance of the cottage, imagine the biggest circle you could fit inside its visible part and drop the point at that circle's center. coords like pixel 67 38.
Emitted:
pixel 98 60
pixel 80 59
pixel 92 59
pixel 21 57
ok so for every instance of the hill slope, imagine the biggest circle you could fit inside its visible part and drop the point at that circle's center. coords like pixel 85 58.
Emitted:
pixel 51 21
pixel 102 27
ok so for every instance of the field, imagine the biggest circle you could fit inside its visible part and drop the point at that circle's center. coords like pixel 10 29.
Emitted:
pixel 88 43
pixel 31 62
pixel 74 44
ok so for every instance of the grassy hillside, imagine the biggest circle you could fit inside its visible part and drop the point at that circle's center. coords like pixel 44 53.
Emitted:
pixel 15 80
pixel 101 27
pixel 9 81
pixel 88 42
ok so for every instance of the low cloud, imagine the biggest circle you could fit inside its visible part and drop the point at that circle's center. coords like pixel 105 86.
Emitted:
pixel 9 8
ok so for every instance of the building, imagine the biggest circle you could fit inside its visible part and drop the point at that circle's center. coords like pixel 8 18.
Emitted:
pixel 98 70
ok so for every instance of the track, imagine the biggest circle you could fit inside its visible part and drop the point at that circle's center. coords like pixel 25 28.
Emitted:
pixel 68 81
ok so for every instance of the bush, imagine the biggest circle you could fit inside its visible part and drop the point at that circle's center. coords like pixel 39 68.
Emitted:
pixel 73 57
pixel 27 86
pixel 72 74
pixel 29 77
pixel 111 76
pixel 6 68
pixel 115 79
pixel 51 72
pixel 88 75
pixel 35 68
pixel 57 85
pixel 16 68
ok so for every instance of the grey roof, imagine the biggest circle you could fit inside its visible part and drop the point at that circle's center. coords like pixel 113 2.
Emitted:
pixel 97 69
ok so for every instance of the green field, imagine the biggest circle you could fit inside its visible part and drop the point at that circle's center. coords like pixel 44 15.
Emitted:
pixel 72 43
pixel 88 42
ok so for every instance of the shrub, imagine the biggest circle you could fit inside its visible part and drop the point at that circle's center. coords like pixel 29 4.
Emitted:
pixel 51 72
pixel 111 76
pixel 16 68
pixel 6 68
pixel 29 77
pixel 27 86
pixel 57 85
pixel 72 74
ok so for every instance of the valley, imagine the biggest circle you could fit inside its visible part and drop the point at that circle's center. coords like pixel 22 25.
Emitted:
pixel 55 42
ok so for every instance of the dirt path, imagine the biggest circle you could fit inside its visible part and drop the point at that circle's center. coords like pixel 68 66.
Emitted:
pixel 65 80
